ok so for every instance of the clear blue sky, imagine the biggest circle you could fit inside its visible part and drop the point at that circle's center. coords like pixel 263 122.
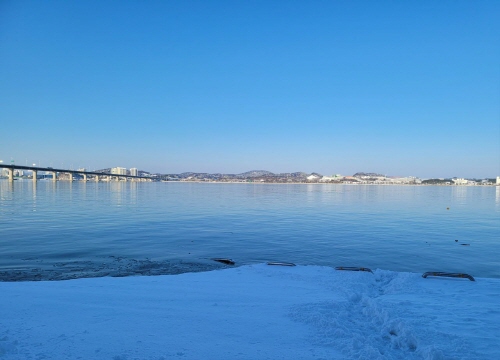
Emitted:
pixel 396 87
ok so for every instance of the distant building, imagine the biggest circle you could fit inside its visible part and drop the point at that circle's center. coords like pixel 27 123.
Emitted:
pixel 313 178
pixel 328 178
pixel 82 169
pixel 460 181
pixel 118 171
pixel 134 172
pixel 498 180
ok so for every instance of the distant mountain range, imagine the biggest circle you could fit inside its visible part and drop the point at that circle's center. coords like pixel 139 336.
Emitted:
pixel 255 173
pixel 360 174
pixel 268 176
pixel 252 174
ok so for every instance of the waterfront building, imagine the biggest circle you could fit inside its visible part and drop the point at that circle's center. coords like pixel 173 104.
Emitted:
pixel 134 172
pixel 118 171
pixel 328 179
pixel 313 177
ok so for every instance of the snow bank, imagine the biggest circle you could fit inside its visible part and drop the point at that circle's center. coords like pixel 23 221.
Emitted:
pixel 252 312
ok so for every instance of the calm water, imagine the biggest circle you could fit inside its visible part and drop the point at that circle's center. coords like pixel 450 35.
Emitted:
pixel 64 230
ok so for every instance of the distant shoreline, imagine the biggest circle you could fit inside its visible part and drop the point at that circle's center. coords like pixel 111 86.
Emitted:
pixel 275 183
pixel 318 183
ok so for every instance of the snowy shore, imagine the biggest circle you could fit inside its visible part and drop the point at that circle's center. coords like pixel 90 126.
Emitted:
pixel 252 312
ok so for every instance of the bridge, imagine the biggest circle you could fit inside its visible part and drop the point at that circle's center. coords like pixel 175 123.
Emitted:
pixel 98 176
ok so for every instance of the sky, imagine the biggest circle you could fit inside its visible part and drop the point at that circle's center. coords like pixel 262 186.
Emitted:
pixel 334 87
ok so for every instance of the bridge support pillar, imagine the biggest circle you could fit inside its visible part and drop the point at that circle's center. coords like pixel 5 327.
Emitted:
pixel 97 178
pixel 34 173
pixel 54 176
pixel 85 177
pixel 70 176
pixel 11 174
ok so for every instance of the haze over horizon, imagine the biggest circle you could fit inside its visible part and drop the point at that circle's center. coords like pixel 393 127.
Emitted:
pixel 399 88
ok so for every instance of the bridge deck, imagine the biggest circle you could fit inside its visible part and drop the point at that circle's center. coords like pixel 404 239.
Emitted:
pixel 49 169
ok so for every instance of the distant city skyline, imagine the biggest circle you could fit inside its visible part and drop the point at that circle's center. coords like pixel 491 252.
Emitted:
pixel 18 170
pixel 403 89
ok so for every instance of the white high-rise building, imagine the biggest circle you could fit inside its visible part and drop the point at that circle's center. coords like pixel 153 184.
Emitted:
pixel 118 171
pixel 134 172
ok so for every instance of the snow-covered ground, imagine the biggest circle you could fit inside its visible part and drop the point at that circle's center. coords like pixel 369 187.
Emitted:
pixel 253 312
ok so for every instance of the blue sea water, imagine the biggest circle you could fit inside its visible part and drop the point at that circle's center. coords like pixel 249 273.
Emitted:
pixel 65 230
